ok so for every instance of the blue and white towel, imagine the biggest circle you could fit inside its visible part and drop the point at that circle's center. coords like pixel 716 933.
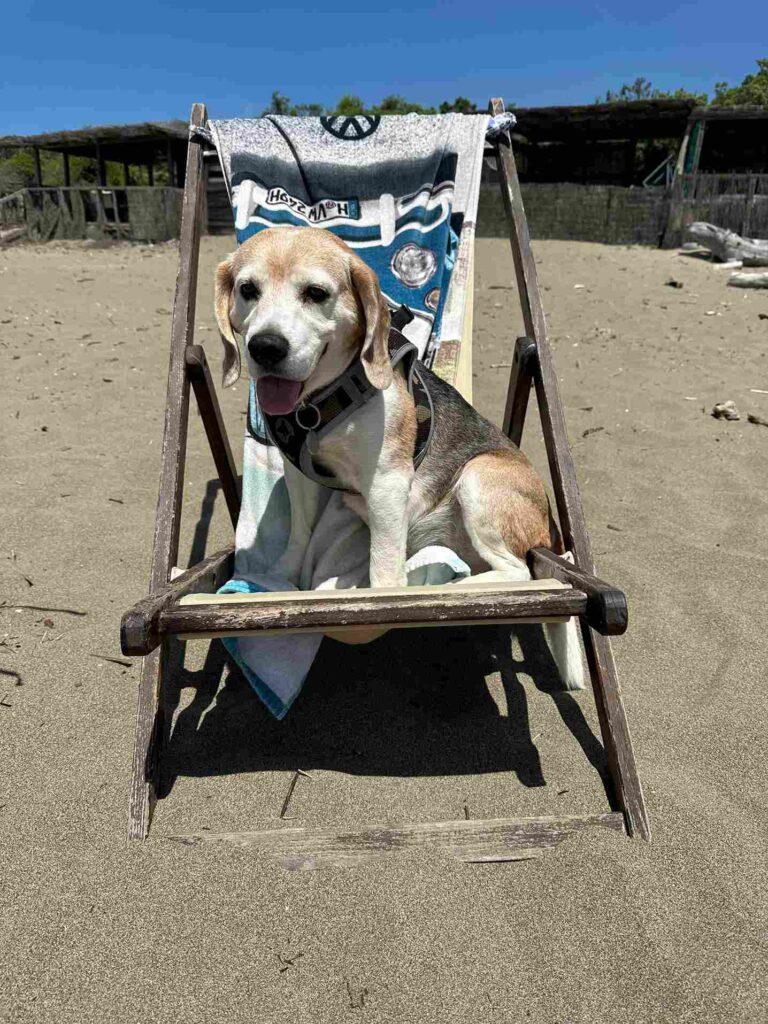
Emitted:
pixel 403 192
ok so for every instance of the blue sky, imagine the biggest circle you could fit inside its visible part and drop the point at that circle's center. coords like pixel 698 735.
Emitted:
pixel 67 64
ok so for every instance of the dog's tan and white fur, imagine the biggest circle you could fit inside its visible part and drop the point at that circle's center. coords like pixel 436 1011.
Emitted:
pixel 307 306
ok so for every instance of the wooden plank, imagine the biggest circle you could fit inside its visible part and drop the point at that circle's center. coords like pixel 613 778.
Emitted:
pixel 696 156
pixel 606 605
pixel 216 432
pixel 473 841
pixel 101 167
pixel 167 520
pixel 674 214
pixel 169 163
pixel 378 595
pixel 139 627
pixel 751 113
pixel 613 721
pixel 316 611
pixel 524 369
pixel 748 205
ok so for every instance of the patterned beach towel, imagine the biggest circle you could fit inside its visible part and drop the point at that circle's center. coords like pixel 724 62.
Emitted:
pixel 403 192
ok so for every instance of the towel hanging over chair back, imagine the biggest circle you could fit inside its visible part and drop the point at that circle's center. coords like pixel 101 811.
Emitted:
pixel 402 191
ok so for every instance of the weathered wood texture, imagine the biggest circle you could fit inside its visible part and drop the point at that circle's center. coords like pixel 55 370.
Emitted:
pixel 749 280
pixel 168 515
pixel 606 605
pixel 160 617
pixel 216 432
pixel 499 839
pixel 610 708
pixel 727 245
pixel 82 211
pixel 316 611
pixel 733 202
pixel 139 627
pixel 524 368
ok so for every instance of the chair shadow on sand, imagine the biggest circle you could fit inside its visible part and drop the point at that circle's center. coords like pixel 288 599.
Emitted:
pixel 413 703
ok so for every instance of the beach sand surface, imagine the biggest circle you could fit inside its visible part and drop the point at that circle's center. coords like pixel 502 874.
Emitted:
pixel 419 726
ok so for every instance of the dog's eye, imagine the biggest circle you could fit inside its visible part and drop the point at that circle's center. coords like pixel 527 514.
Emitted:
pixel 315 293
pixel 249 291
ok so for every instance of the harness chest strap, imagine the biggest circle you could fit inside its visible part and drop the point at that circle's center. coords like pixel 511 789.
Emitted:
pixel 299 434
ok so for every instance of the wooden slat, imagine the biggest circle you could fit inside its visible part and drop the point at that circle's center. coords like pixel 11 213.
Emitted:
pixel 316 611
pixel 480 841
pixel 613 721
pixel 167 519
pixel 376 595
pixel 216 432
pixel 141 627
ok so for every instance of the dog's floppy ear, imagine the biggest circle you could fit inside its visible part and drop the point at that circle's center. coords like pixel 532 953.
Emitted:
pixel 375 350
pixel 225 280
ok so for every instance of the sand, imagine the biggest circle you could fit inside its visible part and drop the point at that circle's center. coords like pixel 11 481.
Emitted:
pixel 418 726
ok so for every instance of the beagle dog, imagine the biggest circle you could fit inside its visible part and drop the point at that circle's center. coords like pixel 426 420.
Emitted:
pixel 307 307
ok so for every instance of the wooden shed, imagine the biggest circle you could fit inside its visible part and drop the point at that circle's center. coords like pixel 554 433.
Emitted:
pixel 600 143
pixel 721 173
pixel 144 206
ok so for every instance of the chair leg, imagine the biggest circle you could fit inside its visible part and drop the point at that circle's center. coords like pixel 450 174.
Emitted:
pixel 147 741
pixel 149 735
pixel 615 732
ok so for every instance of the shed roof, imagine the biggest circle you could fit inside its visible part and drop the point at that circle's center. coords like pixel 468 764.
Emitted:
pixel 81 141
pixel 746 113
pixel 635 119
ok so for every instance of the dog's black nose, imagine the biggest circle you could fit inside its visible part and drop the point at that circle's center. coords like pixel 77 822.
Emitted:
pixel 267 350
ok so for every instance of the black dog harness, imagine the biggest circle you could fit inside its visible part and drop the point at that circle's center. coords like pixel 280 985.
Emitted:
pixel 299 433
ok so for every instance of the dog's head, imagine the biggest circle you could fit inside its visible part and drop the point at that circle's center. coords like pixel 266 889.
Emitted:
pixel 306 306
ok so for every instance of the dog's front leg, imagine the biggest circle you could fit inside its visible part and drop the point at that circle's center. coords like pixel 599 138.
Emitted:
pixel 305 496
pixel 387 507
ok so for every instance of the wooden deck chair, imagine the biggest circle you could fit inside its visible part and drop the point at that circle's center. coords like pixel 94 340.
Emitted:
pixel 559 589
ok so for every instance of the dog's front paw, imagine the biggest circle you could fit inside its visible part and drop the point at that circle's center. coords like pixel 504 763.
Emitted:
pixel 389 579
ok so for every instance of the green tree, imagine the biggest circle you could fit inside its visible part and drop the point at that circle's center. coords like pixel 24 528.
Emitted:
pixel 399 105
pixel 642 89
pixel 279 104
pixel 753 91
pixel 461 105
pixel 348 106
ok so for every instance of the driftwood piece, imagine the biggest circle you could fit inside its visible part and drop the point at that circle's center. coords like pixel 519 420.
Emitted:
pixel 10 235
pixel 739 280
pixel 727 245
pixel 473 841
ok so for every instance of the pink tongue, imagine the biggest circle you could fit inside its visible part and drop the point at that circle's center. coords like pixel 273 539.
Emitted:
pixel 278 397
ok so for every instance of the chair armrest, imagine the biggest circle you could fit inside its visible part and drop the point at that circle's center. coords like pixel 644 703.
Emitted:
pixel 606 605
pixel 139 633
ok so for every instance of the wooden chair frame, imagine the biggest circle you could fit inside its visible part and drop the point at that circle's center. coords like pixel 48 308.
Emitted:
pixel 148 628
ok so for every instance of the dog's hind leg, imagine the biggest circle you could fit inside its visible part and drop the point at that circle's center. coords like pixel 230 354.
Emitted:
pixel 503 523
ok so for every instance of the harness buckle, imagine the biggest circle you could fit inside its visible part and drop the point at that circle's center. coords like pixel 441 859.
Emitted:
pixel 308 408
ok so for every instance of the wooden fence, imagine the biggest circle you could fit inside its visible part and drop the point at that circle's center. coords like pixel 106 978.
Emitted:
pixel 89 211
pixel 738 202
